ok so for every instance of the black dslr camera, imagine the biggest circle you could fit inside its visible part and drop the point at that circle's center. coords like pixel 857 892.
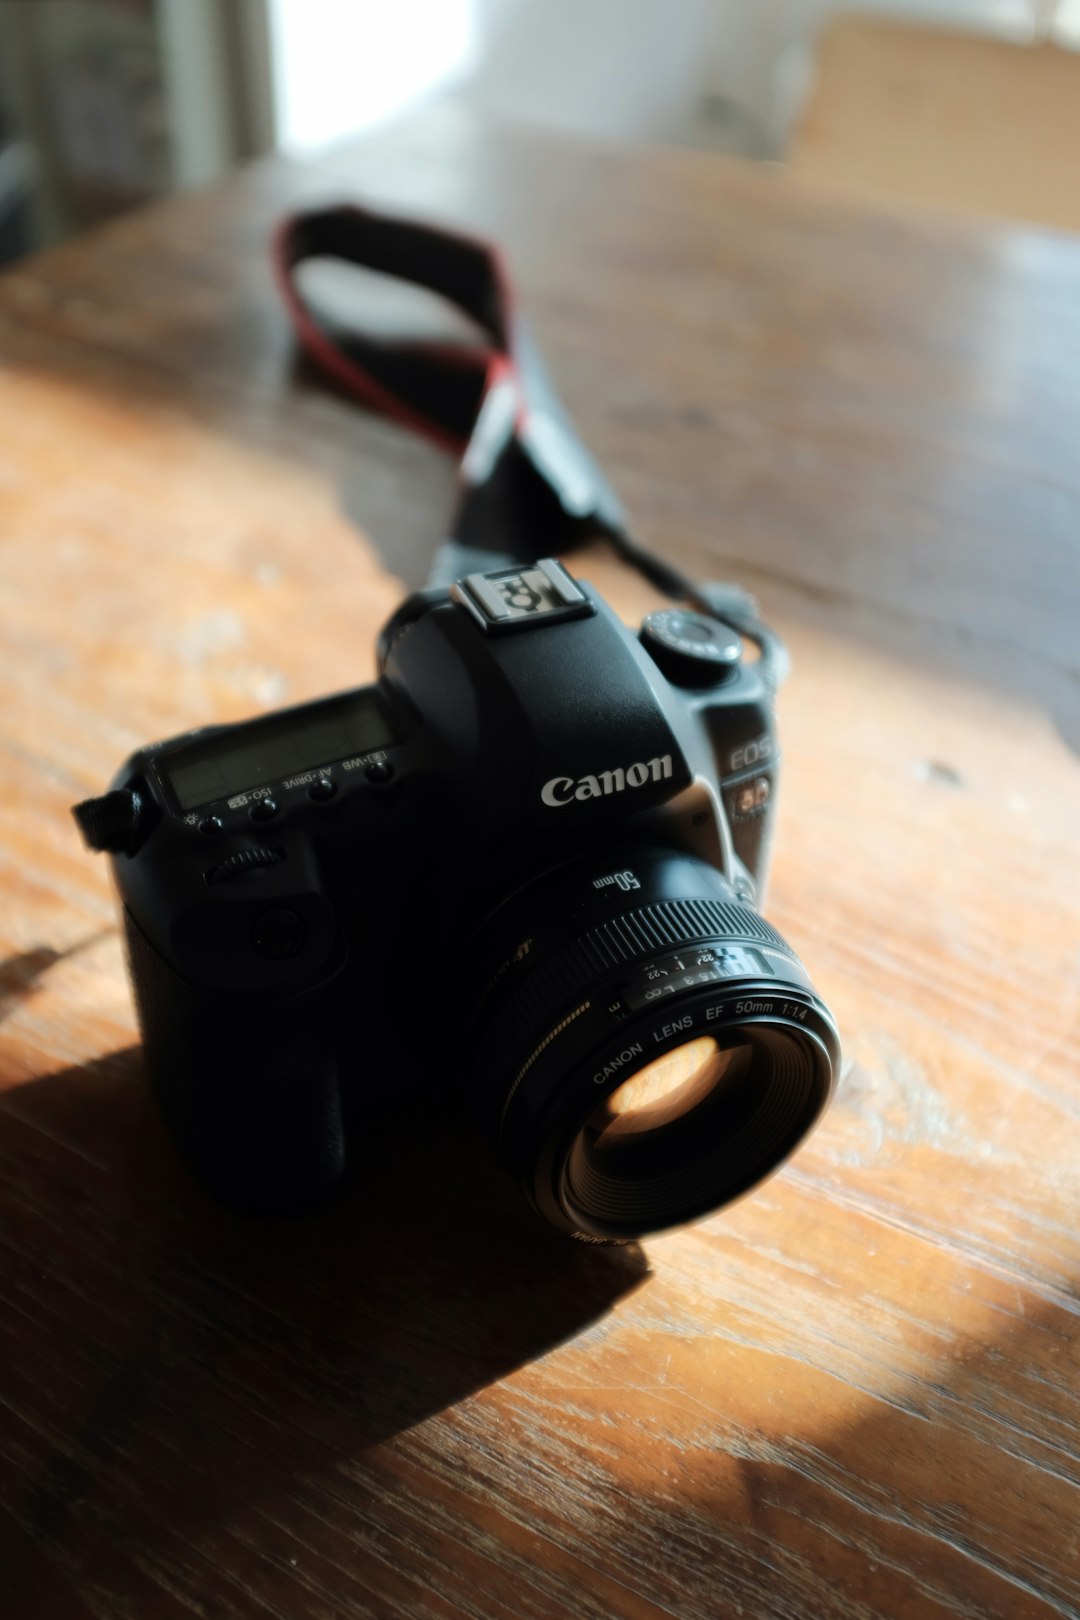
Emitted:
pixel 520 870
pixel 522 865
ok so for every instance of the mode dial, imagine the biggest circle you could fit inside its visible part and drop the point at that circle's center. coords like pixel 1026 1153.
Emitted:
pixel 690 648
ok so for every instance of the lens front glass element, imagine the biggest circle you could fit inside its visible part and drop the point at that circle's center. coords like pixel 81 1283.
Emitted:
pixel 693 1129
pixel 670 1089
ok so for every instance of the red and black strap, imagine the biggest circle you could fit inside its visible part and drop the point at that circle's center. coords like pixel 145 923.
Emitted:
pixel 529 488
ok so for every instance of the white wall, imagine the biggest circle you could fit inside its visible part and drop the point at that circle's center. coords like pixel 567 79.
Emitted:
pixel 632 68
pixel 653 68
pixel 637 69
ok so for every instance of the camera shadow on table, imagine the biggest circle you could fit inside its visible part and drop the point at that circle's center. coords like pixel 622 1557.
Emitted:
pixel 168 1365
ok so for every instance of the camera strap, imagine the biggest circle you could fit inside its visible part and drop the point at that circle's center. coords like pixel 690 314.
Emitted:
pixel 528 486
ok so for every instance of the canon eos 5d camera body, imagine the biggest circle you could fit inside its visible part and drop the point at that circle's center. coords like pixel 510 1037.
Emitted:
pixel 524 865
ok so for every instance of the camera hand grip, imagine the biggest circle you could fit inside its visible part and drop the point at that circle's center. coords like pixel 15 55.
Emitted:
pixel 248 1089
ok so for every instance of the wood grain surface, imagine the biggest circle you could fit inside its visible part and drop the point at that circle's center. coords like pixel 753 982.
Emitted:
pixel 857 1393
pixel 949 116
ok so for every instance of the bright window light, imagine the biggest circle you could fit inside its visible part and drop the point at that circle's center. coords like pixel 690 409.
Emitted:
pixel 341 66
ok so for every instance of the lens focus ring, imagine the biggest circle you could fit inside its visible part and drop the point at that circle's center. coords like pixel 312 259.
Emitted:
pixel 557 983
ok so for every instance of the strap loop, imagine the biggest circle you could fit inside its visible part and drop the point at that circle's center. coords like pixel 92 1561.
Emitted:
pixel 490 403
pixel 529 488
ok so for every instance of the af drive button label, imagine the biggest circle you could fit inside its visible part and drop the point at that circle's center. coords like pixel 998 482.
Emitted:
pixel 685 970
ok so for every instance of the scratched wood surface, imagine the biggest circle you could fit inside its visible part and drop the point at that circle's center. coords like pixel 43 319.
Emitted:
pixel 858 1392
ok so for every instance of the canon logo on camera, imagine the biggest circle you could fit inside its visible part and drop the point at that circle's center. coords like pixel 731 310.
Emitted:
pixel 564 789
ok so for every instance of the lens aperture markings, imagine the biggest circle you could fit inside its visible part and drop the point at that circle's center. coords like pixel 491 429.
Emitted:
pixel 684 970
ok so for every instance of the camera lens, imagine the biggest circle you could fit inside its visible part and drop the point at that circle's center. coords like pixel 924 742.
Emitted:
pixel 649 1047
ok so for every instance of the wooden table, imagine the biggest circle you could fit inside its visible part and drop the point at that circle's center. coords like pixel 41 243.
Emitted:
pixel 959 118
pixel 858 1392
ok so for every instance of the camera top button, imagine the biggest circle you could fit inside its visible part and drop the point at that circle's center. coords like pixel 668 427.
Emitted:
pixel 264 809
pixel 690 648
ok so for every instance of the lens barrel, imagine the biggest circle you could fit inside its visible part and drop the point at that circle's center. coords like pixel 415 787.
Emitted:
pixel 648 1047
